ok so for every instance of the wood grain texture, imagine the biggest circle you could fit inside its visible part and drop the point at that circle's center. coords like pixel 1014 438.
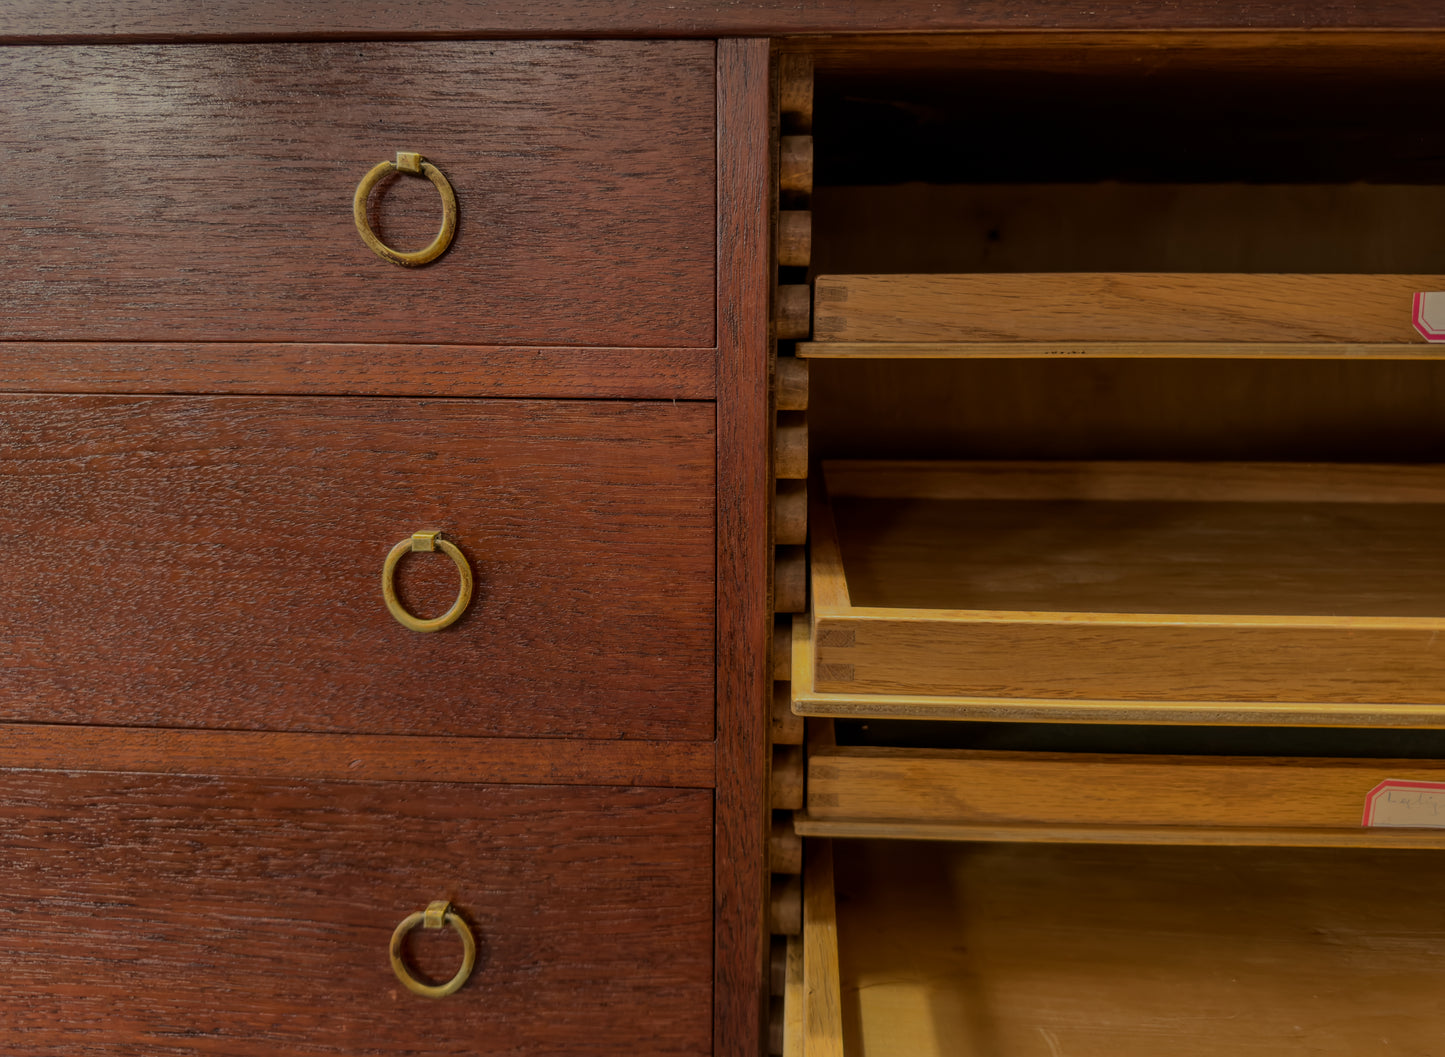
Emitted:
pixel 1111 350
pixel 215 562
pixel 790 446
pixel 950 704
pixel 791 384
pixel 1212 667
pixel 361 758
pixel 783 648
pixel 785 905
pixel 793 1028
pixel 1137 481
pixel 1086 789
pixel 795 165
pixel 790 512
pixel 203 193
pixel 777 966
pixel 744 620
pixel 822 992
pixel 1019 951
pixel 790 580
pixel 70 20
pixel 1084 408
pixel 785 848
pixel 169 915
pixel 1120 225
pixel 1330 560
pixel 954 706
pixel 786 778
pixel 1285 602
pixel 554 372
pixel 1176 42
pixel 1119 306
pixel 795 92
pixel 1070 833
pixel 792 312
pixel 785 727
pixel 795 238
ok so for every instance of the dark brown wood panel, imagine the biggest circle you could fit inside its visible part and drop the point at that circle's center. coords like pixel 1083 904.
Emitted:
pixel 359 757
pixel 27 20
pixel 204 193
pixel 744 504
pixel 216 562
pixel 187 916
pixel 357 370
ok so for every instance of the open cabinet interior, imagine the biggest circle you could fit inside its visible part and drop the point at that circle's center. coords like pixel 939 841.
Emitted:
pixel 1114 365
pixel 1123 664
pixel 1144 153
pixel 1016 950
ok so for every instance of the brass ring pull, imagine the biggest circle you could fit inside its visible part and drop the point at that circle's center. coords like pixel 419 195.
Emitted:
pixel 426 541
pixel 415 164
pixel 434 916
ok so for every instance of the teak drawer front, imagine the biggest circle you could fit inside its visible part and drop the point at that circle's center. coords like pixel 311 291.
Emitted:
pixel 204 193
pixel 178 915
pixel 216 562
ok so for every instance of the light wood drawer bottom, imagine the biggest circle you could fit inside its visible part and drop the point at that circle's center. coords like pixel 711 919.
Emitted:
pixel 1002 950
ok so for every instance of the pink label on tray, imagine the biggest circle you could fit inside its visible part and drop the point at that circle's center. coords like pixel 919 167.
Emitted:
pixel 1395 802
pixel 1430 316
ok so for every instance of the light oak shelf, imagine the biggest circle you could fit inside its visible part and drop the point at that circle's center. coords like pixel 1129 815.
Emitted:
pixel 1090 798
pixel 1117 350
pixel 1129 314
pixel 1126 592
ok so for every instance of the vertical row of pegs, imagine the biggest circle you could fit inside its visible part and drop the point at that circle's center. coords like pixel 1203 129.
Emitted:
pixel 792 322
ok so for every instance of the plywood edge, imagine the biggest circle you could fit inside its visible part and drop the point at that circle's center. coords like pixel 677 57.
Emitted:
pixel 802 656
pixel 807 702
pixel 1117 350
pixel 1118 48
pixel 794 1029
pixel 822 989
pixel 1034 618
pixel 1135 481
pixel 886 754
pixel 1382 838
pixel 828 582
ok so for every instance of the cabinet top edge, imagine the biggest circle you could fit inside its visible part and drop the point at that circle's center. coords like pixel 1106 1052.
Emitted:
pixel 134 21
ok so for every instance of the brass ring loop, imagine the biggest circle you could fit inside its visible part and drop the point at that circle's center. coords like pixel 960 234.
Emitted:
pixel 426 541
pixel 415 164
pixel 436 915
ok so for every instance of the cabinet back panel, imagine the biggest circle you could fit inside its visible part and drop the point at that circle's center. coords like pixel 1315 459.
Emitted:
pixel 1328 411
pixel 1129 227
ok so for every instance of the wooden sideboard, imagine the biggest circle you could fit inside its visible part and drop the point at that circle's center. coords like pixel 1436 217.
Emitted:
pixel 227 773
pixel 230 773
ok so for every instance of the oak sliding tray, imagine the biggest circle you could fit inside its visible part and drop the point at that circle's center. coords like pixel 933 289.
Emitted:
pixel 1147 592
pixel 1121 314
